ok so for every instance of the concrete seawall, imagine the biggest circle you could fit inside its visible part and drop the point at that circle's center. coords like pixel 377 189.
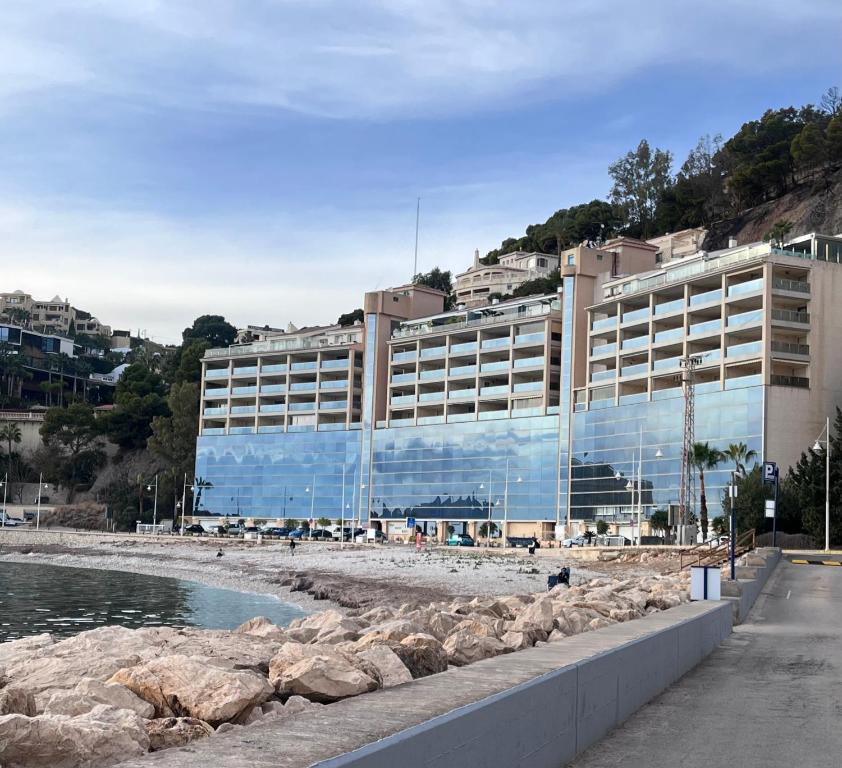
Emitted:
pixel 752 574
pixel 535 708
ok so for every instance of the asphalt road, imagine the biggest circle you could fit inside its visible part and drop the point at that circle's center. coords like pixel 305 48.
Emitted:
pixel 769 696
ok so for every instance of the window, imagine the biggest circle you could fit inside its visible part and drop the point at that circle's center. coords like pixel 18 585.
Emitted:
pixel 571 259
pixel 600 256
pixel 542 262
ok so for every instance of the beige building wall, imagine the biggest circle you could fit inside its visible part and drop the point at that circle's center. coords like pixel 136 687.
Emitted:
pixel 796 417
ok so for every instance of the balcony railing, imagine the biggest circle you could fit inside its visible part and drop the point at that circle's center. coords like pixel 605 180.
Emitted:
pixel 673 334
pixel 463 370
pixel 790 348
pixel 514 315
pixel 335 365
pixel 334 384
pixel 635 343
pixel 252 390
pixel 311 406
pixel 333 405
pixel 710 326
pixel 528 362
pixel 636 314
pixel 499 365
pixel 742 350
pixel 214 373
pixel 273 408
pixel 666 363
pixel 274 368
pixel 708 297
pixel 604 349
pixel 306 365
pixel 427 397
pixel 246 370
pixel 220 411
pixel 243 410
pixel 432 375
pixel 463 348
pixel 745 318
pixel 605 324
pixel 433 352
pixel 216 393
pixel 273 389
pixel 796 286
pixel 635 370
pixel 496 343
pixel 530 338
pixel 790 381
pixel 400 378
pixel 528 386
pixel 302 386
pixel 791 316
pixel 669 306
pixel 461 394
pixel 497 389
pixel 603 375
pixel 749 286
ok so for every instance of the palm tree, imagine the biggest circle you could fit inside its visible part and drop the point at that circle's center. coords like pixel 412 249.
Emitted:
pixel 11 434
pixel 740 454
pixel 703 457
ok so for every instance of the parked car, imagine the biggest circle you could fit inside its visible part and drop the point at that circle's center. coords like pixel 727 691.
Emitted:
pixel 298 533
pixel 251 529
pixel 10 522
pixel 366 538
pixel 575 541
pixel 321 535
pixel 195 528
pixel 272 531
pixel 519 541
pixel 460 540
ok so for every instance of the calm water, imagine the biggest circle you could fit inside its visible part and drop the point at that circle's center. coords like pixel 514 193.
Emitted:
pixel 38 598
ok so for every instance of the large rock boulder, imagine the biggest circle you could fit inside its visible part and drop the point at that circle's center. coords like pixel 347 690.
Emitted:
pixel 422 654
pixel 440 624
pixel 14 651
pixel 16 701
pixel 324 679
pixel 192 686
pixel 168 732
pixel 389 668
pixel 88 693
pixel 464 647
pixel 475 626
pixel 260 626
pixel 538 615
pixel 99 738
pixel 291 653
pixel 393 630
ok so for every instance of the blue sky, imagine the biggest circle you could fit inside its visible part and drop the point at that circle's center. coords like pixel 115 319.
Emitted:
pixel 161 159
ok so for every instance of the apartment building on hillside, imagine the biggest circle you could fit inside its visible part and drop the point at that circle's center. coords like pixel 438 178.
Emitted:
pixel 481 283
pixel 532 412
pixel 56 315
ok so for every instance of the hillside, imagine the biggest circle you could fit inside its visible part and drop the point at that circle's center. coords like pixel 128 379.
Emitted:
pixel 810 207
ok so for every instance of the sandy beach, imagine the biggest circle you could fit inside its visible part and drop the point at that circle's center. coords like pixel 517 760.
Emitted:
pixel 317 575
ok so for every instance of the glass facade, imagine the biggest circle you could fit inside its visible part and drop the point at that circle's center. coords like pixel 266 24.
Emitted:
pixel 296 475
pixel 606 442
pixel 564 410
pixel 453 472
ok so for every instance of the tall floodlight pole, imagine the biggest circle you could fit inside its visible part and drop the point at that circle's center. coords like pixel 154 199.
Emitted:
pixel 417 222
pixel 686 485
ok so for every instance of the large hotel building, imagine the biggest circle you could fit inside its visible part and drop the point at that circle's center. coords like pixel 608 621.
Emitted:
pixel 534 412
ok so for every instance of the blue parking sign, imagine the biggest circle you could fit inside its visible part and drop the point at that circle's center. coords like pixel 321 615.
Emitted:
pixel 770 472
pixel 410 523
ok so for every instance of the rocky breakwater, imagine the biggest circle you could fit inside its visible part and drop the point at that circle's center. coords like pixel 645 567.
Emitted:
pixel 113 693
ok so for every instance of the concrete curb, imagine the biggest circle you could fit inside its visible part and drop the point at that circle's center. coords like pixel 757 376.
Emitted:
pixel 751 578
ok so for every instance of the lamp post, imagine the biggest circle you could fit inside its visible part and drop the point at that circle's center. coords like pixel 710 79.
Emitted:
pixel 732 524
pixel 41 486
pixel 360 509
pixel 817 446
pixel 312 491
pixel 5 484
pixel 155 504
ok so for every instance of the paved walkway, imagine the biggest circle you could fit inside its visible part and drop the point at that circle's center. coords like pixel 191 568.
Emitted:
pixel 769 696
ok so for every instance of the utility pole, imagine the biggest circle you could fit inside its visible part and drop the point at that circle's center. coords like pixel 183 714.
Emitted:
pixel 686 493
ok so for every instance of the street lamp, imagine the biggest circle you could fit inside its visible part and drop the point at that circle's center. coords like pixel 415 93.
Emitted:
pixel 41 485
pixel 312 503
pixel 817 447
pixel 155 505
pixel 488 523
pixel 5 483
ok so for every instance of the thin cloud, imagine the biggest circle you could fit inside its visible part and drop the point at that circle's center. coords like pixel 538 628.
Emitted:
pixel 378 59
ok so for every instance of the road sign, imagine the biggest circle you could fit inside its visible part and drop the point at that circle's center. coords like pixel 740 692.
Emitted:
pixel 410 523
pixel 770 472
pixel 770 508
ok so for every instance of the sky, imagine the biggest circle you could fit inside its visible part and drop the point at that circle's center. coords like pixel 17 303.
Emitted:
pixel 261 159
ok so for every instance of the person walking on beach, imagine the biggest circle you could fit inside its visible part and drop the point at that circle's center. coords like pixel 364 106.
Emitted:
pixel 292 547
